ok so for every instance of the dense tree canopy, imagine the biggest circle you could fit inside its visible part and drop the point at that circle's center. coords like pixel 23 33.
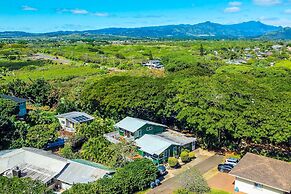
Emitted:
pixel 22 185
pixel 229 108
pixel 8 111
pixel 133 177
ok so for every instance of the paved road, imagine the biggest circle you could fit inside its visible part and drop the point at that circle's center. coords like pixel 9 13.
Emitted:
pixel 169 186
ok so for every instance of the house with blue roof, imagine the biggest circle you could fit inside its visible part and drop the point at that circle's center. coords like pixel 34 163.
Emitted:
pixel 21 102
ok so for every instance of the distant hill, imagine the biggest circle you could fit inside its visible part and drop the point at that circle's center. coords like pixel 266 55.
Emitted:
pixel 203 30
pixel 282 34
pixel 206 30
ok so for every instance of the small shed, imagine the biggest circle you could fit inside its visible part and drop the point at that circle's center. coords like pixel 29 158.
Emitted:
pixel 69 120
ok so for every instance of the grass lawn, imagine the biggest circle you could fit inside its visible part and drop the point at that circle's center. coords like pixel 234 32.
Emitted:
pixel 216 191
pixel 285 63
pixel 51 72
pixel 142 192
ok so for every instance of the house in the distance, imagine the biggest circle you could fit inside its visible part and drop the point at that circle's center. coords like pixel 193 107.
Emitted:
pixel 154 64
pixel 256 174
pixel 52 170
pixel 21 102
pixel 69 120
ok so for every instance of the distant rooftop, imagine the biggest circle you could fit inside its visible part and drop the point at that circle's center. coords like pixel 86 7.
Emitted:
pixel 133 124
pixel 76 117
pixel 263 170
pixel 13 98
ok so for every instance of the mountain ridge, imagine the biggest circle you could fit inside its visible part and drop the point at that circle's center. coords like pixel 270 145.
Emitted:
pixel 208 30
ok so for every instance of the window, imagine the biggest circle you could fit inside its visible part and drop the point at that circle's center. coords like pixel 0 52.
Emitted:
pixel 258 186
pixel 149 128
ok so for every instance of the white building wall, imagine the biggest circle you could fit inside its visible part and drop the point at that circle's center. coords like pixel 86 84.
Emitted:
pixel 250 188
pixel 62 122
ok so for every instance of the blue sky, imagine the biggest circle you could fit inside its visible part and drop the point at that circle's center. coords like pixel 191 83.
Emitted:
pixel 54 15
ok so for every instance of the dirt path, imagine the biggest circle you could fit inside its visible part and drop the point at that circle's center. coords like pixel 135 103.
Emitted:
pixel 172 184
pixel 43 56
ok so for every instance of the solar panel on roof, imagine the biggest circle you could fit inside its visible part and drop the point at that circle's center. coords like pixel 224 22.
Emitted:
pixel 81 118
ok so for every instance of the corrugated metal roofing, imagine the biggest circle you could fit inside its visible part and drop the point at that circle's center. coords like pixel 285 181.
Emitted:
pixel 177 137
pixel 133 124
pixel 77 172
pixel 93 164
pixel 44 166
pixel 34 163
pixel 13 98
pixel 153 144
pixel 76 117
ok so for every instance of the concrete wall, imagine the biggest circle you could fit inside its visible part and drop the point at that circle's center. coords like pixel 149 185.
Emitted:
pixel 250 188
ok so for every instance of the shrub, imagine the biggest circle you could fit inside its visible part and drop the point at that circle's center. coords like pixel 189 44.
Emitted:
pixel 22 185
pixel 181 191
pixel 67 151
pixel 172 162
pixel 184 156
pixel 191 155
pixel 193 181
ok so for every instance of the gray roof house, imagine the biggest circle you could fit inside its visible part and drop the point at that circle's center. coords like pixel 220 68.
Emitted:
pixel 260 174
pixel 47 167
pixel 69 120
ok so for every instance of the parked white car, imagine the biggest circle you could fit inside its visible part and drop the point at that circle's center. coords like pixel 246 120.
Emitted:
pixel 232 161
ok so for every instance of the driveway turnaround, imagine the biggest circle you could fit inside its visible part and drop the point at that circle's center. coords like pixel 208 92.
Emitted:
pixel 172 184
pixel 223 181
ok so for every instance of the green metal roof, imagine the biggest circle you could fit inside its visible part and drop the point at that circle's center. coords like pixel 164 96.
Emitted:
pixel 93 164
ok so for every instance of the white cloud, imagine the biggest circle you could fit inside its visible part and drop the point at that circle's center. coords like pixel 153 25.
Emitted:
pixel 101 14
pixel 79 11
pixel 231 9
pixel 235 3
pixel 83 12
pixel 267 2
pixel 287 11
pixel 276 21
pixel 28 8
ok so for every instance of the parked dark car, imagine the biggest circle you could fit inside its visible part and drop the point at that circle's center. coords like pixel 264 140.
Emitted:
pixel 60 142
pixel 162 170
pixel 224 168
